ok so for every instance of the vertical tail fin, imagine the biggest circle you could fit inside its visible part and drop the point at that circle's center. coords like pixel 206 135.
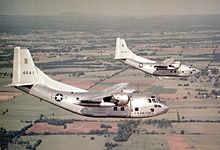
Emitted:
pixel 122 51
pixel 26 73
pixel 24 70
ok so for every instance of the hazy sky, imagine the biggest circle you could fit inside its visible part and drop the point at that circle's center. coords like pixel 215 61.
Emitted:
pixel 110 7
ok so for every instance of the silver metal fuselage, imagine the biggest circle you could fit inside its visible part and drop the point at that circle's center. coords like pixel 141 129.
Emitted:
pixel 151 68
pixel 137 107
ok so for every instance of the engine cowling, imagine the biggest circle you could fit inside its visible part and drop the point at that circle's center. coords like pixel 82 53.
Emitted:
pixel 176 64
pixel 120 99
pixel 129 91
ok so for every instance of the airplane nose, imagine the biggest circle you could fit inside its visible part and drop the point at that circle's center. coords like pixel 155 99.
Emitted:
pixel 195 71
pixel 166 108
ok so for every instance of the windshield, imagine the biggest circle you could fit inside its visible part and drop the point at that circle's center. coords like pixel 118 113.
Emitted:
pixel 152 100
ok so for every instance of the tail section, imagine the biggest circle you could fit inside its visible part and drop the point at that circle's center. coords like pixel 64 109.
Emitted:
pixel 26 73
pixel 24 70
pixel 122 51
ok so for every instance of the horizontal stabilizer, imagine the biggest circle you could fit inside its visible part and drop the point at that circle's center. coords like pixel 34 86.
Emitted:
pixel 19 84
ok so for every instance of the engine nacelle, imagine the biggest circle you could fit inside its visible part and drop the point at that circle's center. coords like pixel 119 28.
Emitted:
pixel 129 91
pixel 176 64
pixel 120 99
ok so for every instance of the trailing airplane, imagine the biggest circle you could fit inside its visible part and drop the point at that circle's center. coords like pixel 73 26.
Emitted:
pixel 166 68
pixel 111 102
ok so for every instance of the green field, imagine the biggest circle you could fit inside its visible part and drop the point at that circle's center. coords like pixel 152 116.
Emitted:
pixel 143 142
pixel 162 90
pixel 204 142
pixel 70 142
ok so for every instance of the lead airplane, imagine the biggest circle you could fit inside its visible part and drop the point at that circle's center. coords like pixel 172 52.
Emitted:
pixel 166 68
pixel 111 102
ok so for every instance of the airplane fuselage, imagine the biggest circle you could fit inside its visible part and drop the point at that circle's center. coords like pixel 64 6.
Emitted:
pixel 179 70
pixel 137 107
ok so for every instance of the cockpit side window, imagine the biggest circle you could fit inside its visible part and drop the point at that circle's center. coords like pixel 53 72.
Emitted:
pixel 152 110
pixel 154 100
pixel 149 100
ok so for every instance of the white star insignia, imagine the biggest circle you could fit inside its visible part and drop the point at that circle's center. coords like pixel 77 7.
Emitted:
pixel 59 97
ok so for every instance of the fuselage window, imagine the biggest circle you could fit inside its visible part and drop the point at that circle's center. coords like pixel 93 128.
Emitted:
pixel 136 109
pixel 122 109
pixel 152 110
pixel 115 108
pixel 182 71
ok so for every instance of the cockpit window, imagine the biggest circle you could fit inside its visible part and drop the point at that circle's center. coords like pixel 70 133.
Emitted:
pixel 157 106
pixel 191 66
pixel 154 100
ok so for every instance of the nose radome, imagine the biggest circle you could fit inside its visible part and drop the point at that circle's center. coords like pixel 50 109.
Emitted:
pixel 196 71
pixel 166 108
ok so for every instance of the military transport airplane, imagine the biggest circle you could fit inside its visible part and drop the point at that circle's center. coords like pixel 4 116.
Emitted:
pixel 166 68
pixel 110 102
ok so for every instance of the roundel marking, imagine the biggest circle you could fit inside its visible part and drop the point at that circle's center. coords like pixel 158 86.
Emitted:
pixel 140 65
pixel 59 97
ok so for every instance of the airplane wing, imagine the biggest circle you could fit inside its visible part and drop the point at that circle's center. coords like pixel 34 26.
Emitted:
pixel 165 63
pixel 97 97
